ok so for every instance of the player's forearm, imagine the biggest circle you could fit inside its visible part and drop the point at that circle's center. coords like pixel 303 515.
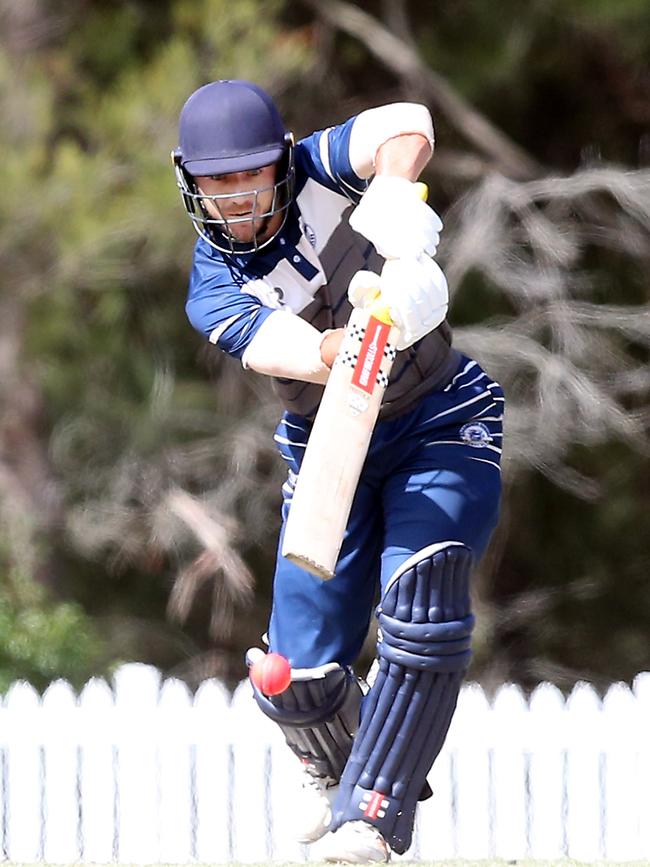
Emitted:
pixel 377 127
pixel 289 347
pixel 391 213
pixel 404 156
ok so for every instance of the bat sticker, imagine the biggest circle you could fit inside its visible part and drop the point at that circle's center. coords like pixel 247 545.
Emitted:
pixel 371 354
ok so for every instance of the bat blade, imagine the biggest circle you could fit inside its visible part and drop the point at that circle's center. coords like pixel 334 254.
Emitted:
pixel 339 440
pixel 338 444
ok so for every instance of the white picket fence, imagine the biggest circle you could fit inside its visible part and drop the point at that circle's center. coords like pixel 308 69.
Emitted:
pixel 146 772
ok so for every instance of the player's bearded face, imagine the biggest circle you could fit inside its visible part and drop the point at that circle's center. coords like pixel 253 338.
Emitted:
pixel 244 199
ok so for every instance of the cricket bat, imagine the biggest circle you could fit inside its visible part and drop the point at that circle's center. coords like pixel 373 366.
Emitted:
pixel 339 439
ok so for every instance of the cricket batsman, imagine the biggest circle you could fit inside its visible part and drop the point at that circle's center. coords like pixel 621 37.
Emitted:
pixel 291 237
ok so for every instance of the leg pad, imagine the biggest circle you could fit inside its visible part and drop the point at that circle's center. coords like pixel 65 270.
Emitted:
pixel 424 650
pixel 319 716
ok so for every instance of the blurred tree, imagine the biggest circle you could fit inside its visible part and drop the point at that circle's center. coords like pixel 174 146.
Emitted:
pixel 41 640
pixel 137 470
pixel 96 259
pixel 549 292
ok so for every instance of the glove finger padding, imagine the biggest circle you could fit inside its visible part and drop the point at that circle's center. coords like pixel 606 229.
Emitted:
pixel 394 218
pixel 417 296
pixel 364 288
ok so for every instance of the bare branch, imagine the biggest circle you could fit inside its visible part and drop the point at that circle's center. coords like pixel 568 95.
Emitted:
pixel 219 563
pixel 567 363
pixel 507 157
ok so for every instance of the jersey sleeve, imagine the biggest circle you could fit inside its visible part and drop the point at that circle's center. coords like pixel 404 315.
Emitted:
pixel 325 157
pixel 219 307
pixel 342 157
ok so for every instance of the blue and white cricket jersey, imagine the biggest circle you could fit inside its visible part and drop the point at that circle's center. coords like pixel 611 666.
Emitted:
pixel 433 467
pixel 307 270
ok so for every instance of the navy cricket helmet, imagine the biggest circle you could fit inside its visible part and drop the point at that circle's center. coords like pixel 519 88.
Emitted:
pixel 232 126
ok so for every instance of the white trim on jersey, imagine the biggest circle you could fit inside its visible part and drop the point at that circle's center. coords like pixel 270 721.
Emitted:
pixel 483 461
pixel 321 211
pixel 375 126
pixel 481 375
pixel 294 426
pixel 264 290
pixel 487 409
pixel 284 287
pixel 467 367
pixel 324 151
pixel 287 442
pixel 453 409
pixel 463 443
pixel 216 334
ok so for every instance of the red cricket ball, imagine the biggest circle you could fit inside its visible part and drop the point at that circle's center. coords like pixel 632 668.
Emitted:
pixel 271 674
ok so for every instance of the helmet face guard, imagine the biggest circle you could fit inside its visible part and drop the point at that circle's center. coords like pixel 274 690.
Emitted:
pixel 228 127
pixel 217 231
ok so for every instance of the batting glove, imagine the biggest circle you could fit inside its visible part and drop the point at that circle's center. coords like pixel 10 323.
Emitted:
pixel 394 218
pixel 414 291
pixel 364 288
pixel 417 296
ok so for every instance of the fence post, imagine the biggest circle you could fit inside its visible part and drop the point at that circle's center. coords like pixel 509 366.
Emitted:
pixel 61 832
pixel 97 783
pixel 547 773
pixel 472 740
pixel 435 826
pixel 641 688
pixel 509 767
pixel 212 773
pixel 260 805
pixel 137 770
pixel 584 775
pixel 21 724
pixel 283 789
pixel 623 790
pixel 176 816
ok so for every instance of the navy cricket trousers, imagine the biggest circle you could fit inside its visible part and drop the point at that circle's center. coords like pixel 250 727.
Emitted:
pixel 431 475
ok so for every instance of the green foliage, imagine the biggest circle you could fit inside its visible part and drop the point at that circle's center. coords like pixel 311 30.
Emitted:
pixel 41 640
pixel 91 225
pixel 95 252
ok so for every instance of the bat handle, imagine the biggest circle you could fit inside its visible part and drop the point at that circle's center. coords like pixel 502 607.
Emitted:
pixel 423 190
pixel 377 309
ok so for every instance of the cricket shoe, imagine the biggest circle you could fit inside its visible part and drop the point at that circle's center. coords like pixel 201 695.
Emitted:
pixel 313 808
pixel 356 843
